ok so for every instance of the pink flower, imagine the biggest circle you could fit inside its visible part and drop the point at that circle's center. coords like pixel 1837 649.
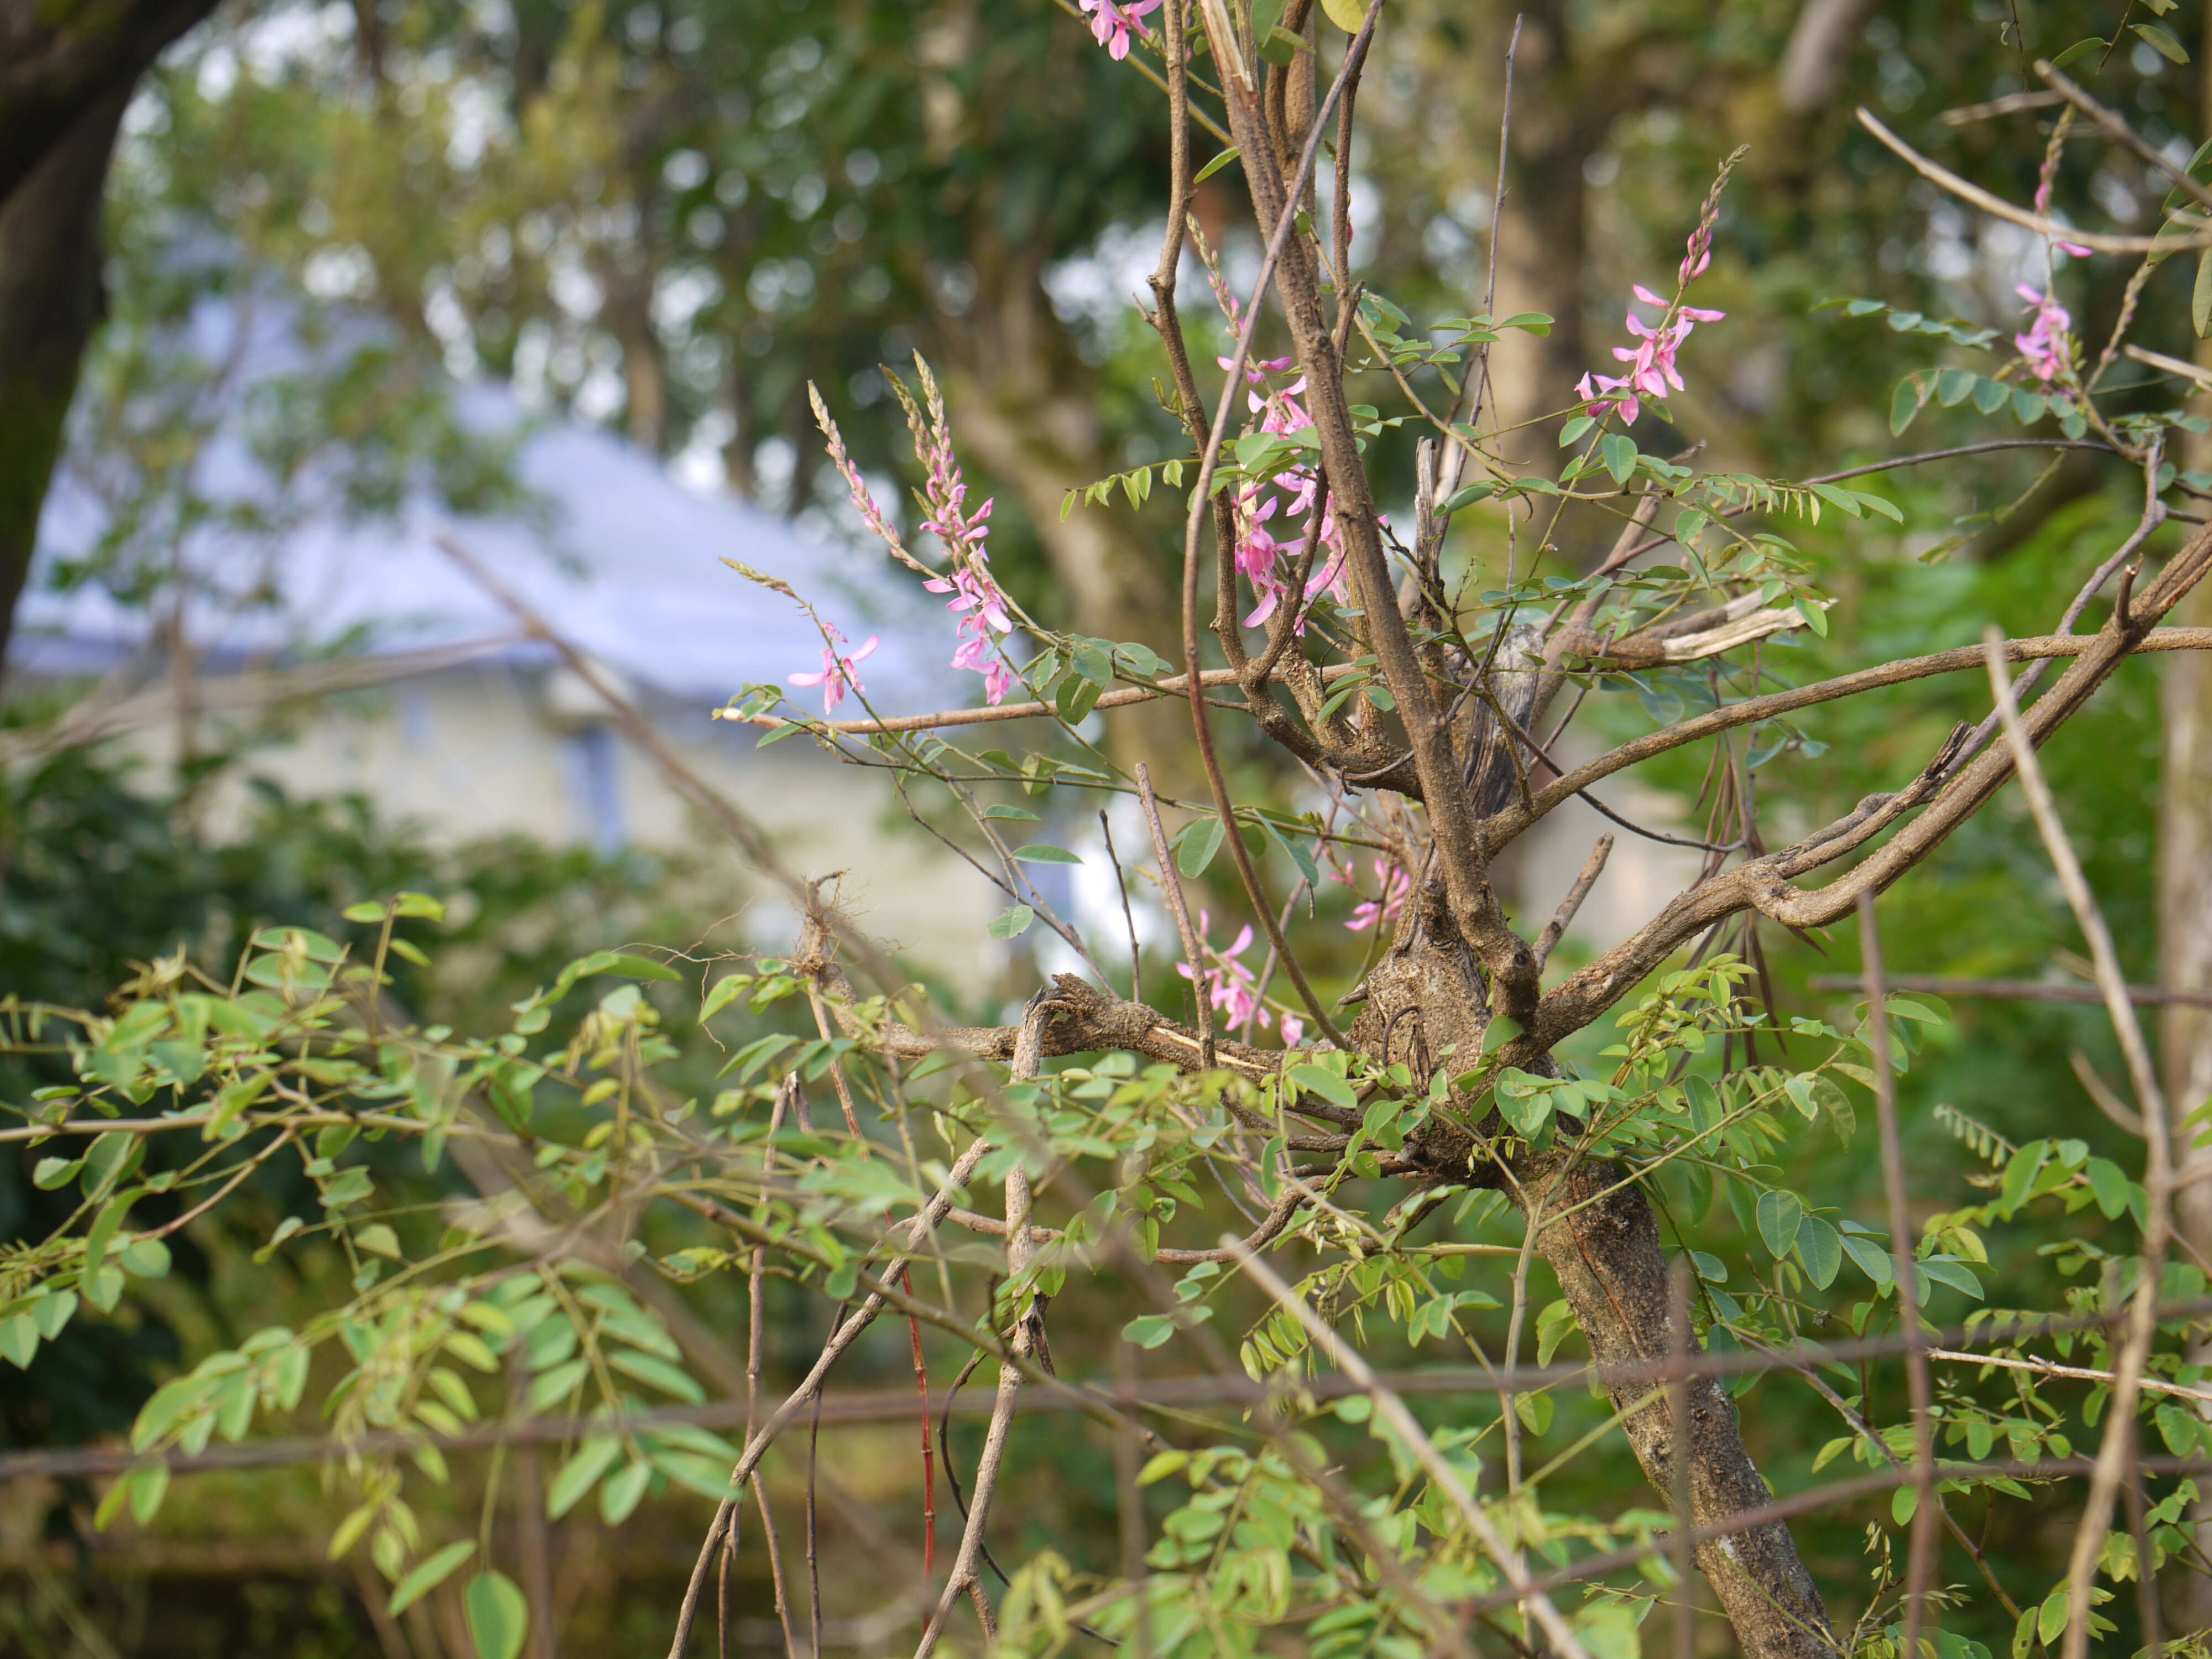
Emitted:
pixel 1395 885
pixel 2045 347
pixel 976 598
pixel 1260 549
pixel 1294 1030
pixel 2043 188
pixel 1652 370
pixel 1230 985
pixel 836 672
pixel 1113 21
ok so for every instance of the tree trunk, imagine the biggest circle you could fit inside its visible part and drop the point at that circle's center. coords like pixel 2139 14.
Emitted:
pixel 50 300
pixel 2185 902
pixel 1540 237
pixel 1426 995
pixel 57 61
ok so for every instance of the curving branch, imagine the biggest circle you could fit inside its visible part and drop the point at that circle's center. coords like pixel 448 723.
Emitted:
pixel 1501 827
pixel 1766 884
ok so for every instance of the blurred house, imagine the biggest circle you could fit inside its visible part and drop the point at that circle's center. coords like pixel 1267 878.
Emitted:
pixel 403 678
pixel 393 672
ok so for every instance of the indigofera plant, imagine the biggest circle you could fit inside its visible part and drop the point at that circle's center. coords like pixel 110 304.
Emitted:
pixel 1608 1122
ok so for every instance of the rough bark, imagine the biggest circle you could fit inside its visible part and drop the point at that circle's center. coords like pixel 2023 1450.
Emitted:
pixel 50 300
pixel 1425 997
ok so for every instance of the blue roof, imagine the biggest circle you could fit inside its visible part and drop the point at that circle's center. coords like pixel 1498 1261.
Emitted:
pixel 627 564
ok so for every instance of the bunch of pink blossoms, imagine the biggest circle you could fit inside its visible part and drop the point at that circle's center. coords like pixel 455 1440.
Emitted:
pixel 836 674
pixel 977 599
pixel 1395 884
pixel 2046 348
pixel 1232 987
pixel 1651 365
pixel 1258 552
pixel 1113 21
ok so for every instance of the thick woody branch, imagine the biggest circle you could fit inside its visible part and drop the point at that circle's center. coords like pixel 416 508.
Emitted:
pixel 1502 827
pixel 1766 884
pixel 1474 906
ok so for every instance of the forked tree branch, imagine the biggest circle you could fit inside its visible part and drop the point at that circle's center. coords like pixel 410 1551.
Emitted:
pixel 1764 885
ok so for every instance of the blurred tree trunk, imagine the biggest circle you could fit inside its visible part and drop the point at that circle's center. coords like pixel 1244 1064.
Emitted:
pixel 1024 402
pixel 50 300
pixel 2185 896
pixel 66 74
pixel 1540 235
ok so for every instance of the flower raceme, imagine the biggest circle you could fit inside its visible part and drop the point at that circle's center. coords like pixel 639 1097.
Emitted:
pixel 2046 348
pixel 1652 369
pixel 1258 552
pixel 1113 21
pixel 977 599
pixel 1231 987
pixel 836 673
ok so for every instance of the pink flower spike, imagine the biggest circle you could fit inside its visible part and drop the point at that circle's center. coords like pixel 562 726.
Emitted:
pixel 1114 20
pixel 836 672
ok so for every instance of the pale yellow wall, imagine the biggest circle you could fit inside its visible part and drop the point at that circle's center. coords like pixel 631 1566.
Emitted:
pixel 473 752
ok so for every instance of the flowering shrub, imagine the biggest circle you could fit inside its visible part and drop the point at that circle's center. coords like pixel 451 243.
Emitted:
pixel 1605 1144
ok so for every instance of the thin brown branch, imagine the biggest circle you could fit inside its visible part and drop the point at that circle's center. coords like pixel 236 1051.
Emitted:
pixel 1021 1256
pixel 2196 235
pixel 2117 1110
pixel 2019 990
pixel 1921 1563
pixel 1415 1439
pixel 1171 886
pixel 2158 1174
pixel 1501 827
pixel 2115 127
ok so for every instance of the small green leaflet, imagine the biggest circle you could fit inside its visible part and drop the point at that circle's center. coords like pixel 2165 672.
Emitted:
pixel 1038 852
pixel 1320 1081
pixel 1012 922
pixel 1149 1331
pixel 2110 1184
pixel 2162 41
pixel 1195 844
pixel 498 1615
pixel 1820 1247
pixel 1619 454
pixel 428 1575
pixel 1780 1215
pixel 1873 1261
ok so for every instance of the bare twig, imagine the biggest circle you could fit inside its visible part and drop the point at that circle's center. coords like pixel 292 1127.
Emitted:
pixel 841 1338
pixel 2195 236
pixel 2158 1174
pixel 1021 1255
pixel 2115 127
pixel 1129 918
pixel 1416 1441
pixel 1922 1562
pixel 2019 990
pixel 2117 1110
pixel 1171 886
